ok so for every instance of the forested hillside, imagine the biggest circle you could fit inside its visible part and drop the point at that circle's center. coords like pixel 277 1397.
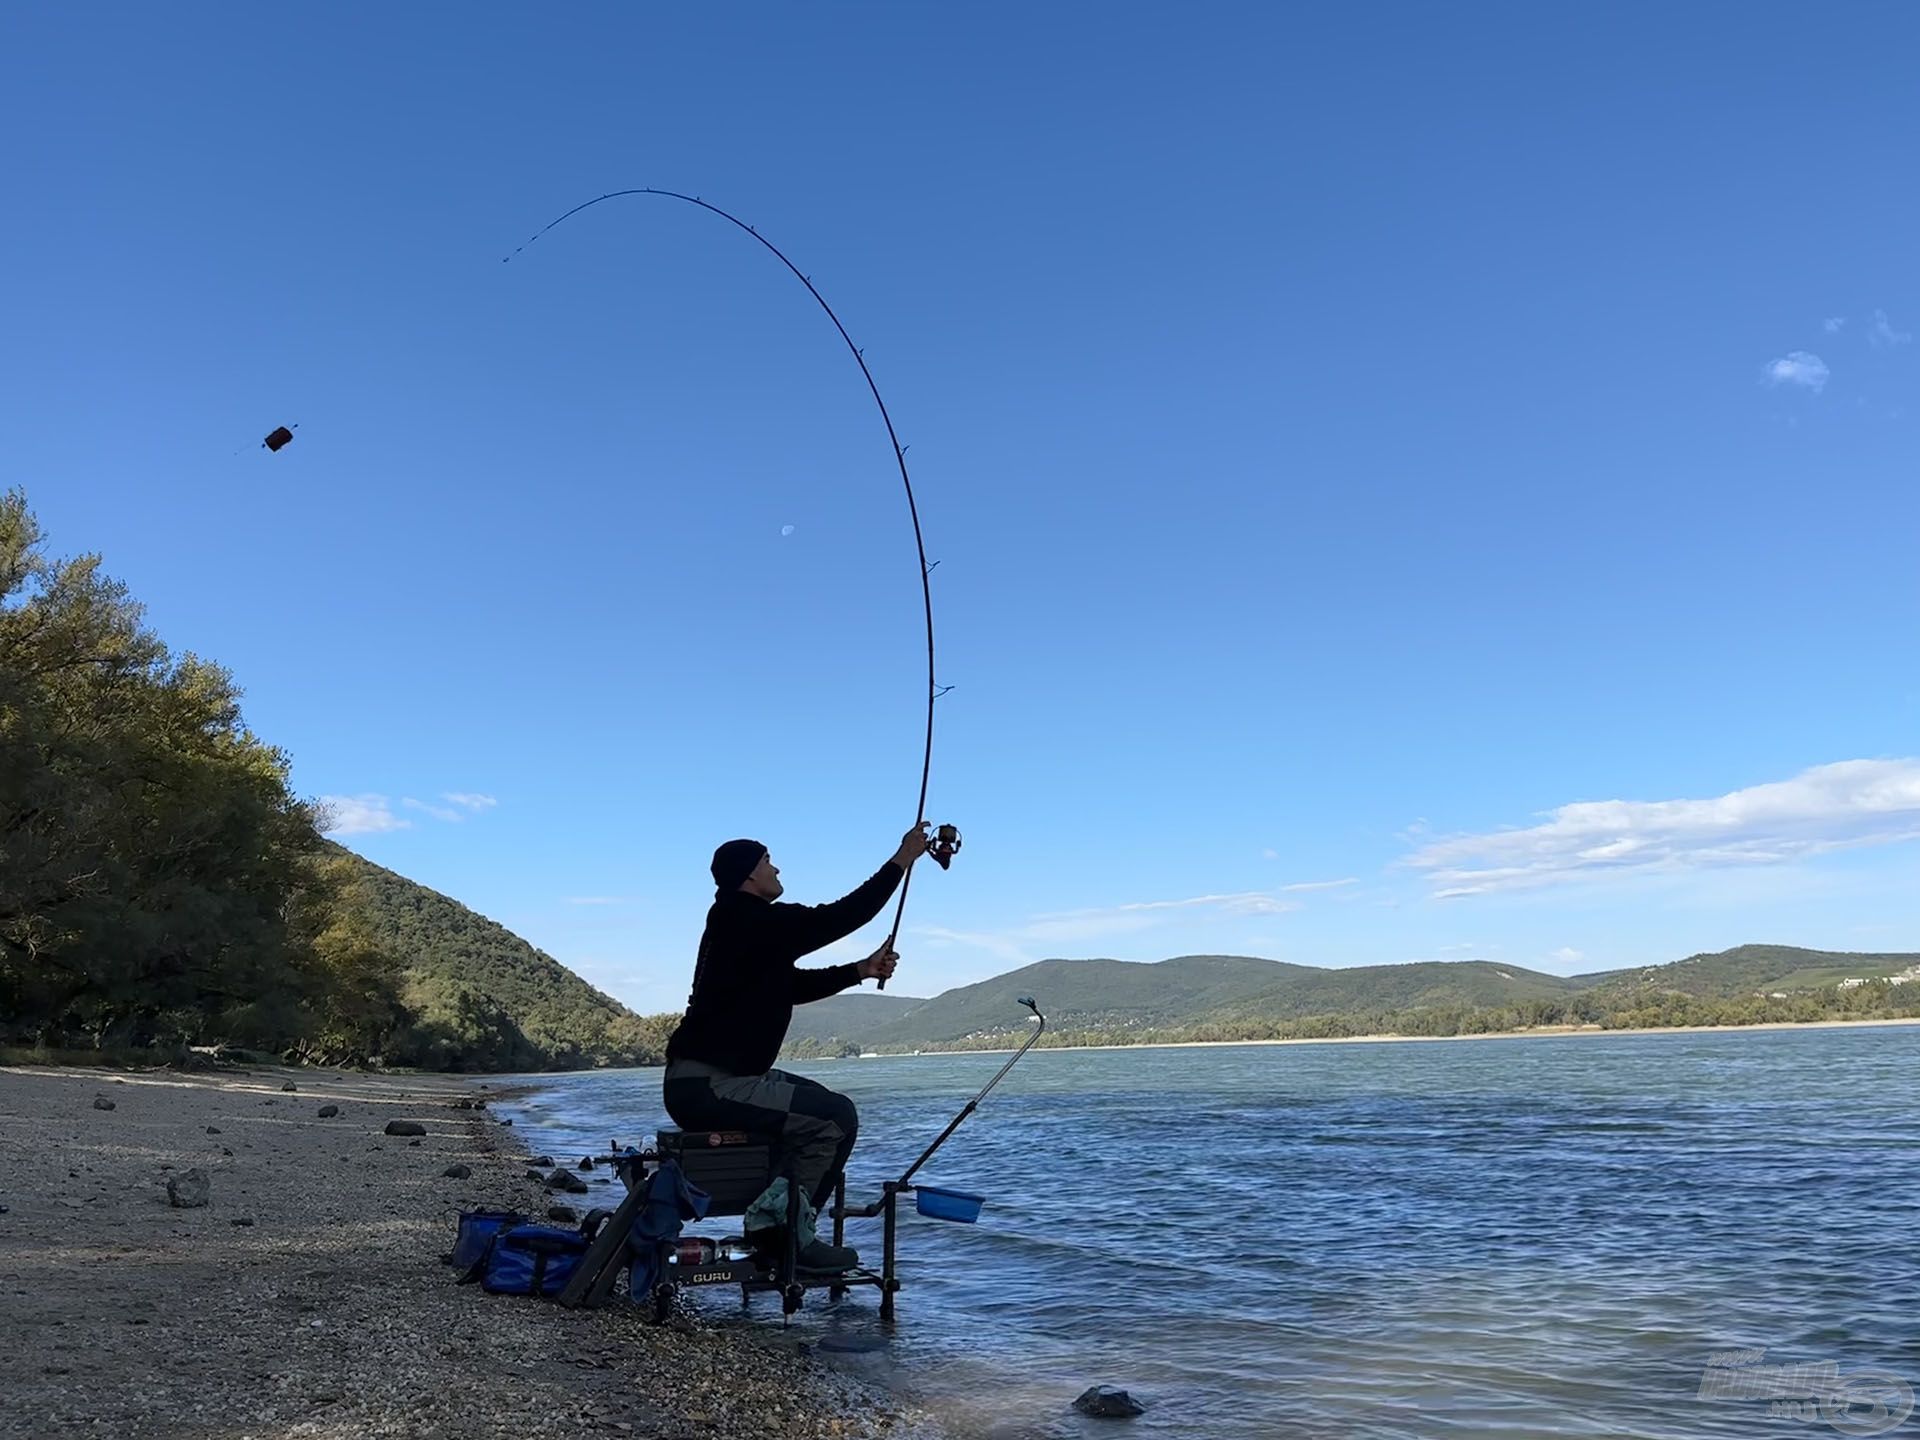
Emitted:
pixel 162 887
pixel 480 997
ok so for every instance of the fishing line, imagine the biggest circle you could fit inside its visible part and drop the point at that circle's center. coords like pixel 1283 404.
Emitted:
pixel 934 690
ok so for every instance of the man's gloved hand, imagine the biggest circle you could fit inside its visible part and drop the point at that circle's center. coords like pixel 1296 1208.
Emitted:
pixel 880 964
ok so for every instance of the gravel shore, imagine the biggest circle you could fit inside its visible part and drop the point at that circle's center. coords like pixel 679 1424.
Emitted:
pixel 308 1298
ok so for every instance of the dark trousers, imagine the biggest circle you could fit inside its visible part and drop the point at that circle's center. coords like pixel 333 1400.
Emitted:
pixel 816 1126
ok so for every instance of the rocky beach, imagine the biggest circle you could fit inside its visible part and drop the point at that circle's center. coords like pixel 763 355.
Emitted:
pixel 305 1294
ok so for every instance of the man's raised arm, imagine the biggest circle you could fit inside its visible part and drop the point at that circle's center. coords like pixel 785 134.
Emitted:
pixel 802 929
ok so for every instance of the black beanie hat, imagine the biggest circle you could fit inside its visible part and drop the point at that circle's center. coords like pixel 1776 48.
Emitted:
pixel 734 861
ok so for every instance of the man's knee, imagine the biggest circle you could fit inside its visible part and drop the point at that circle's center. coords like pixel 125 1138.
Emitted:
pixel 826 1113
pixel 845 1115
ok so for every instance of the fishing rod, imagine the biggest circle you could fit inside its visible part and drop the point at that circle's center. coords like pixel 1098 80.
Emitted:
pixel 945 843
pixel 974 1104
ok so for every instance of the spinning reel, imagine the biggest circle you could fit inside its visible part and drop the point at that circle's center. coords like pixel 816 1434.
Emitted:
pixel 944 845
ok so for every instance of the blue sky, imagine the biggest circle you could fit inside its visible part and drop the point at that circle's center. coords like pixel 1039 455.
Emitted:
pixel 1411 482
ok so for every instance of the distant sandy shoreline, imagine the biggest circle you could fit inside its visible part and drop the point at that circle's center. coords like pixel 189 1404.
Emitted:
pixel 1539 1032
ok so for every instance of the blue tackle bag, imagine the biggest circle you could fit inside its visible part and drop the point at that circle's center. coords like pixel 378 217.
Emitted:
pixel 532 1260
pixel 477 1231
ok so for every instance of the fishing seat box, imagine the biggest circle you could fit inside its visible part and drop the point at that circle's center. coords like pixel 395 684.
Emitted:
pixel 732 1166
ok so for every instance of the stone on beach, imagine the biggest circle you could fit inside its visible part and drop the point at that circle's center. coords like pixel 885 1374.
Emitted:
pixel 405 1127
pixel 1105 1402
pixel 189 1191
pixel 100 1102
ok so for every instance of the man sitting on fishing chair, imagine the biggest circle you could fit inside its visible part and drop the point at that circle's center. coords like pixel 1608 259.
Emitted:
pixel 720 1073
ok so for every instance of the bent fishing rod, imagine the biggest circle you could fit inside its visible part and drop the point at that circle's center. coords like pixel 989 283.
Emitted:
pixel 945 843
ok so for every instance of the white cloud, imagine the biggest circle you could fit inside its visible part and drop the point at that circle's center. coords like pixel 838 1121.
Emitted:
pixel 1829 807
pixel 1300 885
pixel 1567 955
pixel 1073 925
pixel 1834 322
pixel 1019 942
pixel 359 815
pixel 373 814
pixel 1006 946
pixel 1269 854
pixel 1883 336
pixel 1251 902
pixel 1799 367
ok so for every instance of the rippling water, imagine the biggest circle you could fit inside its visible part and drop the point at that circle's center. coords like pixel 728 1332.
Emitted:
pixel 1546 1236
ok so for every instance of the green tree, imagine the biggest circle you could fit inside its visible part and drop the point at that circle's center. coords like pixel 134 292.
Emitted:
pixel 154 857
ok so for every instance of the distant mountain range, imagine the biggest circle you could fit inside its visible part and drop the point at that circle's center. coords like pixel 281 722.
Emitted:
pixel 1201 996
pixel 1758 969
pixel 483 998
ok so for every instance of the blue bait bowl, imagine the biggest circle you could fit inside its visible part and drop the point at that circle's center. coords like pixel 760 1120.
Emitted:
pixel 947 1204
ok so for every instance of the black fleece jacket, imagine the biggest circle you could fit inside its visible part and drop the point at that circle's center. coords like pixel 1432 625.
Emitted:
pixel 745 983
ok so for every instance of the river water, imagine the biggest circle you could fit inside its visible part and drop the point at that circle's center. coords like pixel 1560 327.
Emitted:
pixel 1552 1236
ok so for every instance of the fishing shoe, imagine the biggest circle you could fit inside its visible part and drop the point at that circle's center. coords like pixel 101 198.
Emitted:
pixel 819 1255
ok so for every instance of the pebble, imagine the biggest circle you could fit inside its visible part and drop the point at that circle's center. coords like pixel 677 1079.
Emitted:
pixel 100 1102
pixel 405 1127
pixel 327 1112
pixel 189 1191
pixel 457 1172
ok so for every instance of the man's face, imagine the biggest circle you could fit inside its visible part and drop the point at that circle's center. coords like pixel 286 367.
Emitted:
pixel 765 880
